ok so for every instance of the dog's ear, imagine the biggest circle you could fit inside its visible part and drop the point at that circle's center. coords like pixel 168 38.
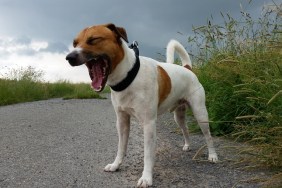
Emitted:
pixel 120 32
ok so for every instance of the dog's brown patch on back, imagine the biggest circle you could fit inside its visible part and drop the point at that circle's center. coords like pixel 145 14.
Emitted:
pixel 187 67
pixel 164 84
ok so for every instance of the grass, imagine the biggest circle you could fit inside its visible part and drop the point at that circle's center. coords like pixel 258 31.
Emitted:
pixel 25 84
pixel 239 64
pixel 245 91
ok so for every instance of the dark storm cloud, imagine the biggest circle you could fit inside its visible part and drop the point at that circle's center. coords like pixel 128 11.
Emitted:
pixel 19 44
pixel 24 40
pixel 26 52
pixel 24 45
pixel 152 23
pixel 55 47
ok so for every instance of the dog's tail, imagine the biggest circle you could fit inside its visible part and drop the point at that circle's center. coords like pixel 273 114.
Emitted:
pixel 173 46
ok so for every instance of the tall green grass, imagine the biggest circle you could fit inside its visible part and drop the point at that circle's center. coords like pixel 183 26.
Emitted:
pixel 240 67
pixel 26 84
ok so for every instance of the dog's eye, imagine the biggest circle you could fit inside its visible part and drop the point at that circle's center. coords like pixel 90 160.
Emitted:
pixel 92 40
pixel 74 43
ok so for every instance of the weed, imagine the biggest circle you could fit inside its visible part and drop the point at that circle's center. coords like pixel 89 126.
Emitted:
pixel 239 64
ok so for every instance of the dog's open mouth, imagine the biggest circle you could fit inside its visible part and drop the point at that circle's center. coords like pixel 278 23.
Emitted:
pixel 99 68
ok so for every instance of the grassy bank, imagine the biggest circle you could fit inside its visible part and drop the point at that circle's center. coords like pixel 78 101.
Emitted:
pixel 240 67
pixel 25 84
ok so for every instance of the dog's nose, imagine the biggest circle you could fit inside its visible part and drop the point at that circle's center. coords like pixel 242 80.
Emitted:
pixel 72 58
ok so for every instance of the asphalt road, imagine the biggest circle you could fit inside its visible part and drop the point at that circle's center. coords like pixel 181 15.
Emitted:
pixel 66 143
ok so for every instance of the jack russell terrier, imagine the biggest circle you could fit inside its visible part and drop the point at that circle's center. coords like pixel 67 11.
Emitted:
pixel 142 88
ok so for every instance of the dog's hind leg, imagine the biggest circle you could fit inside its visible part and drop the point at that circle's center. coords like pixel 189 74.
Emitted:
pixel 179 117
pixel 197 103
pixel 123 127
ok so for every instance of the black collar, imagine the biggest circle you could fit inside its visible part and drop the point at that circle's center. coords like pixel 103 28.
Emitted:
pixel 132 73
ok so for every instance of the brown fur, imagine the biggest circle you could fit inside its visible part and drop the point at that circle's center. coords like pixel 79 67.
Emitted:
pixel 187 67
pixel 107 42
pixel 164 84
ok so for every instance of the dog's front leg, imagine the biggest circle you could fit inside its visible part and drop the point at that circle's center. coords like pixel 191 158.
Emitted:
pixel 123 127
pixel 149 154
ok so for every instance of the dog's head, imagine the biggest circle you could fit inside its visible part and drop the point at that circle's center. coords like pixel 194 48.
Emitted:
pixel 100 49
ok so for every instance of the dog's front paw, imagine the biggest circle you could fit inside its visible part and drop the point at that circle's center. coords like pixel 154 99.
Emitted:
pixel 186 148
pixel 111 168
pixel 213 157
pixel 144 182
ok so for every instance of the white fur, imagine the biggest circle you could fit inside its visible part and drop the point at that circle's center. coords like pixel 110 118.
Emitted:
pixel 174 45
pixel 78 49
pixel 123 67
pixel 140 100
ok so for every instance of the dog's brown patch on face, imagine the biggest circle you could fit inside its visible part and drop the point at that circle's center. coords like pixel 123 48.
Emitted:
pixel 187 67
pixel 164 84
pixel 101 40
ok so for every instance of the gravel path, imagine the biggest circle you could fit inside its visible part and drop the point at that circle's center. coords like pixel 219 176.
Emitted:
pixel 67 143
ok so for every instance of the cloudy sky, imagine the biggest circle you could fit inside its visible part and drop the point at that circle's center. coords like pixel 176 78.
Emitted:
pixel 39 33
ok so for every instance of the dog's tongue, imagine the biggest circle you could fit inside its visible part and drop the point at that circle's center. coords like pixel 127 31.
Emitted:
pixel 97 76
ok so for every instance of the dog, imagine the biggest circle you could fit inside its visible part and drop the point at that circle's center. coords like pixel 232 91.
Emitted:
pixel 142 88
